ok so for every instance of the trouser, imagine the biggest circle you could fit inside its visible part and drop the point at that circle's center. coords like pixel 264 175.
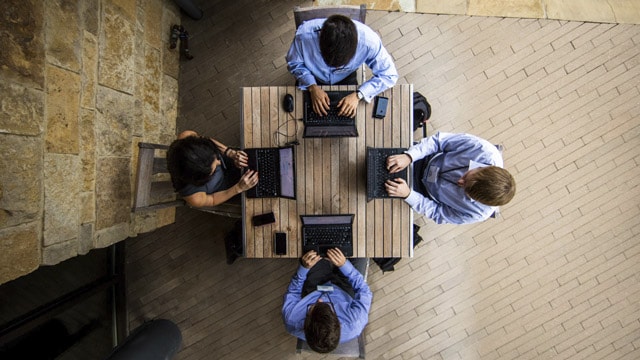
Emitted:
pixel 322 272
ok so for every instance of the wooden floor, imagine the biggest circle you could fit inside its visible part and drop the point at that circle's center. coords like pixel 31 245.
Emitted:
pixel 557 276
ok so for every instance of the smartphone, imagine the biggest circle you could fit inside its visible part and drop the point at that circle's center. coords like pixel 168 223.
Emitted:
pixel 280 243
pixel 380 107
pixel 264 219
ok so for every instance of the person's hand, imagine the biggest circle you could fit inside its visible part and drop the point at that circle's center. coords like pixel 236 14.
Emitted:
pixel 348 105
pixel 310 259
pixel 397 187
pixel 319 100
pixel 239 157
pixel 398 162
pixel 336 257
pixel 248 180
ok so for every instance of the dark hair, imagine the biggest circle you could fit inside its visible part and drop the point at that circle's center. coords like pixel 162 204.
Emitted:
pixel 322 328
pixel 491 185
pixel 189 161
pixel 338 40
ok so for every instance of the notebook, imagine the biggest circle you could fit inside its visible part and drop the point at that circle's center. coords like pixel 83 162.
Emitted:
pixel 331 125
pixel 323 232
pixel 276 172
pixel 377 173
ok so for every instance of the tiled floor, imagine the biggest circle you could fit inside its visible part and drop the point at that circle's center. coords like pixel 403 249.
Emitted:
pixel 557 276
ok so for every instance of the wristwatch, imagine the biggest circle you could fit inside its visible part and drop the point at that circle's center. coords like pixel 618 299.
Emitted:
pixel 360 96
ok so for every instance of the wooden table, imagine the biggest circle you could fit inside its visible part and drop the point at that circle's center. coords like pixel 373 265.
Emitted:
pixel 330 173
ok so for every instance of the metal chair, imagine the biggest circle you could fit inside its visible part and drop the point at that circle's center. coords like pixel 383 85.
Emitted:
pixel 154 189
pixel 353 348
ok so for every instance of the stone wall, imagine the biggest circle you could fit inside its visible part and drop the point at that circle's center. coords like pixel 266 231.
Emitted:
pixel 81 83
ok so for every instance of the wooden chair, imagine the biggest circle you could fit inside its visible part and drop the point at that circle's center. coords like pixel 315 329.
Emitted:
pixel 353 348
pixel 154 189
pixel 358 13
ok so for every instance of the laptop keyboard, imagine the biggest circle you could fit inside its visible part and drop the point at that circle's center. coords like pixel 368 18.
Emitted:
pixel 332 118
pixel 268 170
pixel 377 173
pixel 333 235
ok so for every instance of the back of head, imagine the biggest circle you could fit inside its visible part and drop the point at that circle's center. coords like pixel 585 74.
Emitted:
pixel 189 161
pixel 322 328
pixel 491 185
pixel 338 40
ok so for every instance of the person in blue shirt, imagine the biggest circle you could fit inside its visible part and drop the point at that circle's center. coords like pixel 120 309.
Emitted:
pixel 333 313
pixel 329 51
pixel 198 172
pixel 458 178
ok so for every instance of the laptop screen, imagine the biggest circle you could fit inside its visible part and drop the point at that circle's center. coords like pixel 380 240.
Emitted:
pixel 326 219
pixel 287 183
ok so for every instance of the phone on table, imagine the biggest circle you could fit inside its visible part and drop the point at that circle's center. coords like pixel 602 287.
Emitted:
pixel 280 243
pixel 380 107
pixel 264 219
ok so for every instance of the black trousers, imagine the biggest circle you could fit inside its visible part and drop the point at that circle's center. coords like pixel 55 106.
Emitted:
pixel 323 272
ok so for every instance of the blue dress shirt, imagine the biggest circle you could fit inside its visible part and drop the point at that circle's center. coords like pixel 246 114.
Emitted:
pixel 353 312
pixel 305 60
pixel 451 156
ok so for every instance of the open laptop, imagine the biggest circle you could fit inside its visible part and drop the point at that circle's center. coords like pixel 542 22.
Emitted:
pixel 331 125
pixel 323 232
pixel 377 173
pixel 276 172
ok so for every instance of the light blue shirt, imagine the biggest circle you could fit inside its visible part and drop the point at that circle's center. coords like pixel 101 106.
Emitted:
pixel 352 312
pixel 452 155
pixel 305 60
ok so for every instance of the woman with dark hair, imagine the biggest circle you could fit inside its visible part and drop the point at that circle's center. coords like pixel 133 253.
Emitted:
pixel 199 173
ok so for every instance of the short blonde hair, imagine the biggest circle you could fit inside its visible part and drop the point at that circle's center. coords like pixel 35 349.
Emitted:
pixel 491 185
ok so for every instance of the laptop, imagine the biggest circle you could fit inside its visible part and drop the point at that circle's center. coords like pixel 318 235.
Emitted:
pixel 276 172
pixel 377 173
pixel 331 125
pixel 324 232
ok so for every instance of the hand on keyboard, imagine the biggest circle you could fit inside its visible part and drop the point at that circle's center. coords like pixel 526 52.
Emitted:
pixel 248 180
pixel 348 105
pixel 397 187
pixel 319 99
pixel 309 259
pixel 398 162
pixel 336 257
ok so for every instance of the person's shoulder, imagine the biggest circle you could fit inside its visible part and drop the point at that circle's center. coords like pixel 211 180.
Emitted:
pixel 310 26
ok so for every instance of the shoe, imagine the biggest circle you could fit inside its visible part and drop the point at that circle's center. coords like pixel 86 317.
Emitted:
pixel 417 239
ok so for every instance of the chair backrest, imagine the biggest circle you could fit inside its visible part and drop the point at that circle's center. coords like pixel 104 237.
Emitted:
pixel 355 347
pixel 154 189
pixel 301 15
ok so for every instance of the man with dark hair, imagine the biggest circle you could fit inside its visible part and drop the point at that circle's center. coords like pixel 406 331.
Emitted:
pixel 329 51
pixel 458 178
pixel 327 301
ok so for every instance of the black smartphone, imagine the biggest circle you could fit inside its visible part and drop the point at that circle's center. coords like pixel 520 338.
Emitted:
pixel 380 107
pixel 264 219
pixel 280 243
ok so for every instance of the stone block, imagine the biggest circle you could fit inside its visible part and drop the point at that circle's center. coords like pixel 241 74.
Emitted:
pixel 153 29
pixel 169 106
pixel 22 42
pixel 582 10
pixel 90 15
pixel 166 216
pixel 126 7
pixel 625 11
pixel 63 40
pixel 63 103
pixel 116 45
pixel 19 250
pixel 170 58
pixel 143 222
pixel 21 109
pixel 88 149
pixel 152 78
pixel 113 122
pixel 62 183
pixel 109 236
pixel 506 8
pixel 20 179
pixel 85 239
pixel 60 252
pixel 89 71
pixel 87 207
pixel 457 7
pixel 113 192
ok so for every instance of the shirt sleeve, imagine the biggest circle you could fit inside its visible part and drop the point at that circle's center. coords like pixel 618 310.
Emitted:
pixel 296 66
pixel 292 297
pixel 428 146
pixel 383 69
pixel 439 213
pixel 361 304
